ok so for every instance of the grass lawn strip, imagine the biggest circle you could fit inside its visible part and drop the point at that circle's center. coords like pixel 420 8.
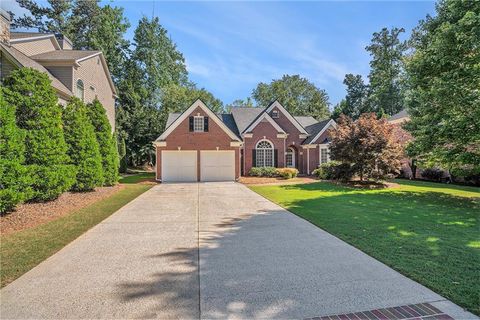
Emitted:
pixel 23 250
pixel 427 231
pixel 137 178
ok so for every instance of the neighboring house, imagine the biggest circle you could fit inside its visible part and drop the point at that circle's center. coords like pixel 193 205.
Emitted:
pixel 403 137
pixel 79 73
pixel 199 145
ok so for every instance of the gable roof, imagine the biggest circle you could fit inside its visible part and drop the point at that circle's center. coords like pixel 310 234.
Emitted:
pixel 186 113
pixel 306 121
pixel 316 130
pixel 267 117
pixel 227 118
pixel 65 55
pixel 245 116
pixel 22 60
pixel 278 105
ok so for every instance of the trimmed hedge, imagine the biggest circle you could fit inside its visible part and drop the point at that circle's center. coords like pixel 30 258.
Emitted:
pixel 106 142
pixel 39 115
pixel 286 173
pixel 334 170
pixel 14 182
pixel 83 147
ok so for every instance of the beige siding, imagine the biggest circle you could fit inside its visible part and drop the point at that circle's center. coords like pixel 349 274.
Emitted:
pixel 34 47
pixel 6 67
pixel 92 74
pixel 64 74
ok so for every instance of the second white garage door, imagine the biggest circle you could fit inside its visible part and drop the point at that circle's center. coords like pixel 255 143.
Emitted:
pixel 179 166
pixel 217 165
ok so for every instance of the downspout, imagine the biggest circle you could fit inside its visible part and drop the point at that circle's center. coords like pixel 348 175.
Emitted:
pixel 308 161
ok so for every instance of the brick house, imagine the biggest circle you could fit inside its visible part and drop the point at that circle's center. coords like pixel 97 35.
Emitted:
pixel 199 145
pixel 80 73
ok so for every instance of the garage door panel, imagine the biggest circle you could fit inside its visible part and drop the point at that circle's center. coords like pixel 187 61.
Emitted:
pixel 179 166
pixel 217 165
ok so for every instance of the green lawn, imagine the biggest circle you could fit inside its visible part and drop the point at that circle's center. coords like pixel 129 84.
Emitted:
pixel 136 178
pixel 23 250
pixel 427 231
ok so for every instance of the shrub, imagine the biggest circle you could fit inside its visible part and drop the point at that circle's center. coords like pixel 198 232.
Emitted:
pixel 48 182
pixel 432 174
pixel 263 172
pixel 334 170
pixel 106 142
pixel 14 186
pixel 39 116
pixel 287 173
pixel 82 146
pixel 122 153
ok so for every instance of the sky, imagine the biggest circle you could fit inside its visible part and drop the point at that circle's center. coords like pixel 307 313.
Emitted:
pixel 230 47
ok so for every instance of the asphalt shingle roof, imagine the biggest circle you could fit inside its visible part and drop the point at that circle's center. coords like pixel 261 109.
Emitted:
pixel 226 118
pixel 27 62
pixel 314 129
pixel 244 116
pixel 64 55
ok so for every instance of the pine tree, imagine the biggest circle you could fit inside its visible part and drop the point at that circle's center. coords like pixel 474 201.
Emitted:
pixel 106 142
pixel 39 115
pixel 83 147
pixel 14 186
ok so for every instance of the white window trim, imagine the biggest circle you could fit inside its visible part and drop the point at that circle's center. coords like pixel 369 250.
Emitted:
pixel 264 157
pixel 83 91
pixel 323 147
pixel 275 114
pixel 202 120
pixel 291 151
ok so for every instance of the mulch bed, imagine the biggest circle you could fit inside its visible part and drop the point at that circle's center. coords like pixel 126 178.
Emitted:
pixel 276 181
pixel 29 215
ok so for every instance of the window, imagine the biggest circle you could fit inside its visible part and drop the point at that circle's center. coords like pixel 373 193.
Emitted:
pixel 290 158
pixel 80 90
pixel 275 114
pixel 264 154
pixel 324 156
pixel 198 123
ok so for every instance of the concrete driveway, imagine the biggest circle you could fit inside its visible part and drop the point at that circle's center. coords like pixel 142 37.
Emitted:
pixel 209 250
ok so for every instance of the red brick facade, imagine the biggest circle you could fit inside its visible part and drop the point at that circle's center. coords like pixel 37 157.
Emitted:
pixel 182 138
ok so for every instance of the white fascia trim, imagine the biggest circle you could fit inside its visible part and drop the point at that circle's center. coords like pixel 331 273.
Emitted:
pixel 282 135
pixel 160 143
pixel 40 37
pixel 330 123
pixel 287 114
pixel 247 135
pixel 269 119
pixel 309 146
pixel 235 144
pixel 186 113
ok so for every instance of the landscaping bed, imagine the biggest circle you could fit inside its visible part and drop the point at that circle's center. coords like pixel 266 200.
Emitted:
pixel 426 231
pixel 276 180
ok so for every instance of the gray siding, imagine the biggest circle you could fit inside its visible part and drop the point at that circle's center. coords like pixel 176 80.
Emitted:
pixel 6 67
pixel 64 74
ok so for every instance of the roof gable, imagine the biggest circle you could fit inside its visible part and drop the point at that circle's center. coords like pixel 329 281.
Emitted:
pixel 294 121
pixel 317 129
pixel 197 104
pixel 259 119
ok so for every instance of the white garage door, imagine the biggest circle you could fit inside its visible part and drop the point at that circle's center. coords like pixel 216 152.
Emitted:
pixel 179 166
pixel 217 165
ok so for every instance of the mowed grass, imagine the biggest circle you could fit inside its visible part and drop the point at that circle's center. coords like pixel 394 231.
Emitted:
pixel 427 231
pixel 23 250
pixel 137 178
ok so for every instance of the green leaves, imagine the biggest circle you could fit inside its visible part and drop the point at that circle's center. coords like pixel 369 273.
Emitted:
pixel 298 95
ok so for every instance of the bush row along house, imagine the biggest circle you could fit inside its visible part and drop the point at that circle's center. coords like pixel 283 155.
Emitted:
pixel 80 73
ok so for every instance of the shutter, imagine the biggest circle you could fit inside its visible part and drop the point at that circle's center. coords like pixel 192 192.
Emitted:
pixel 254 158
pixel 190 122
pixel 275 158
pixel 205 124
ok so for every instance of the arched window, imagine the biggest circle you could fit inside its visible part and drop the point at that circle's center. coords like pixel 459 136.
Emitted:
pixel 80 90
pixel 264 154
pixel 290 158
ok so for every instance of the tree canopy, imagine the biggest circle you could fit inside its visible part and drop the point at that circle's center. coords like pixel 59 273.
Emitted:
pixel 444 81
pixel 298 95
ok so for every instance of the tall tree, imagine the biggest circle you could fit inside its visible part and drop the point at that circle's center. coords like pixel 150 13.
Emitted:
pixel 157 57
pixel 356 99
pixel 298 95
pixel 92 27
pixel 247 103
pixel 444 81
pixel 386 92
pixel 339 109
pixel 52 17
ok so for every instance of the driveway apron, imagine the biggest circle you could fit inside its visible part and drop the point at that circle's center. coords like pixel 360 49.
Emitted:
pixel 212 251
